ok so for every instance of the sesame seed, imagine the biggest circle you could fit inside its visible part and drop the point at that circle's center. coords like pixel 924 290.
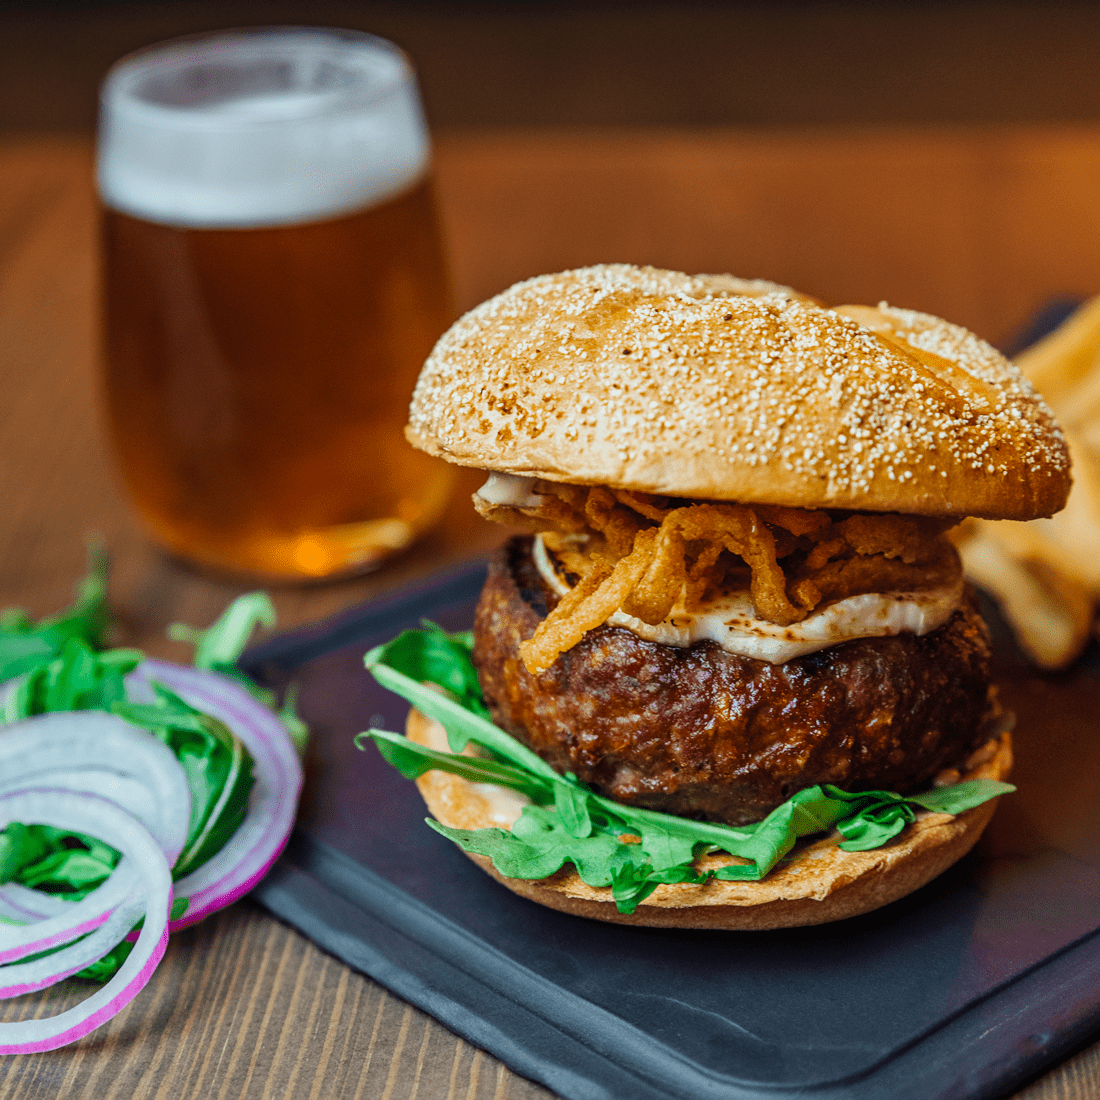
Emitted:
pixel 728 375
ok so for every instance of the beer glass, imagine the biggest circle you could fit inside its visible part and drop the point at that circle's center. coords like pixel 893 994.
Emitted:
pixel 274 279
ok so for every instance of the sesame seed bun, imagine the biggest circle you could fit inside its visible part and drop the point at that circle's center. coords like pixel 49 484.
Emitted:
pixel 818 883
pixel 717 388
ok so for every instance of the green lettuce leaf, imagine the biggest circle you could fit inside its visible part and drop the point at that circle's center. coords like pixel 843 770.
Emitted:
pixel 219 646
pixel 217 765
pixel 61 665
pixel 609 844
pixel 25 644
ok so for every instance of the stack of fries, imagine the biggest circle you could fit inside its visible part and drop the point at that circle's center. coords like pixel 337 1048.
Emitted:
pixel 1046 574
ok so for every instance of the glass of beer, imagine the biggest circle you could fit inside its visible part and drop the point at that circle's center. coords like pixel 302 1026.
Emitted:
pixel 274 279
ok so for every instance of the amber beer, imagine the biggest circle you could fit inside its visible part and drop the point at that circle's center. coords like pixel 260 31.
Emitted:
pixel 258 375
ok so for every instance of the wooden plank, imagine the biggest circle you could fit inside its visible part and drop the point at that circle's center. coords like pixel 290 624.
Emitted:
pixel 244 1007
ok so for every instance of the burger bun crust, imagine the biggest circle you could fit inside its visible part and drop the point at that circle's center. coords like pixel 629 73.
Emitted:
pixel 718 388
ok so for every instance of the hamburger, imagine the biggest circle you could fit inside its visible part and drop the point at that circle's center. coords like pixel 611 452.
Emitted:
pixel 735 599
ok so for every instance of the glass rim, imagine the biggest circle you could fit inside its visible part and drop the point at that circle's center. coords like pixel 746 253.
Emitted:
pixel 115 88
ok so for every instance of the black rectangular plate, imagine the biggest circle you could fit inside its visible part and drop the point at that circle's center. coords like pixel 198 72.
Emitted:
pixel 963 989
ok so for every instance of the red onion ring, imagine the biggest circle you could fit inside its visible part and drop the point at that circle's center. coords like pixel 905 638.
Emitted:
pixel 96 816
pixel 93 773
pixel 261 837
pixel 22 903
pixel 272 804
pixel 89 745
pixel 28 977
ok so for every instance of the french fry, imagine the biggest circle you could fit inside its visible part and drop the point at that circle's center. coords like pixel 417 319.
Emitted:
pixel 1062 361
pixel 1046 602
pixel 1075 531
pixel 1046 574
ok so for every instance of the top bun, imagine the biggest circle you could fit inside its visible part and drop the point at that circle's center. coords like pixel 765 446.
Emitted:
pixel 719 388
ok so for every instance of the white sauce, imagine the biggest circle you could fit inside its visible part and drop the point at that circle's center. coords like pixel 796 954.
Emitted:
pixel 510 490
pixel 502 805
pixel 731 623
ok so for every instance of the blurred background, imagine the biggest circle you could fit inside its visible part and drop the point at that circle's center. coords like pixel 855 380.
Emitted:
pixel 517 90
pixel 621 62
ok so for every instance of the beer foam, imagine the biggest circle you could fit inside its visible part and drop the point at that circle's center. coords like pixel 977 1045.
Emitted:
pixel 259 128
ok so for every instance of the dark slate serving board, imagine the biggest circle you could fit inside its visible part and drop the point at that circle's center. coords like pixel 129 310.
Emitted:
pixel 964 989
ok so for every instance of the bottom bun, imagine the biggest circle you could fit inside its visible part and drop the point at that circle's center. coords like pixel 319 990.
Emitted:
pixel 815 883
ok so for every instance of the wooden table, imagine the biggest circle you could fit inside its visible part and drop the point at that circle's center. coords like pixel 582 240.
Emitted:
pixel 978 226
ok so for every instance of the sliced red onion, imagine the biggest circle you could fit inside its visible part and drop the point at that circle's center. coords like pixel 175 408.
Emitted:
pixel 78 919
pixel 244 860
pixel 92 773
pixel 142 857
pixel 96 753
pixel 21 903
pixel 272 804
pixel 101 754
pixel 28 977
pixel 22 910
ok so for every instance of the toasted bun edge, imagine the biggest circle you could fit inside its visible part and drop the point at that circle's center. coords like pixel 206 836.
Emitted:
pixel 817 884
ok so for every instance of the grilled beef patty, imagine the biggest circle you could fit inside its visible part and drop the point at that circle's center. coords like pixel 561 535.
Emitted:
pixel 700 732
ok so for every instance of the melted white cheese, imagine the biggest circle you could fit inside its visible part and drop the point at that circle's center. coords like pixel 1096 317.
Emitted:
pixel 511 490
pixel 731 622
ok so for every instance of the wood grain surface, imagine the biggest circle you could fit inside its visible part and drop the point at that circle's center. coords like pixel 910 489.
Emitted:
pixel 979 226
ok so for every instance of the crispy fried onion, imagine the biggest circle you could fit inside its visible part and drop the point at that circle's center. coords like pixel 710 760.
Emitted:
pixel 648 555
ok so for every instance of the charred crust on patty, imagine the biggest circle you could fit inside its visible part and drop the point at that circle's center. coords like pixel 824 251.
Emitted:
pixel 701 732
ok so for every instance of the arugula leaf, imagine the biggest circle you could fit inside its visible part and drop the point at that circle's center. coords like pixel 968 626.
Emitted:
pixel 62 666
pixel 76 679
pixel 219 646
pixel 396 666
pixel 632 881
pixel 105 969
pixel 537 846
pixel 76 871
pixel 20 846
pixel 217 766
pixel 958 797
pixel 571 806
pixel 25 644
pixel 54 860
pixel 288 714
pixel 433 655
pixel 610 844
pixel 413 760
